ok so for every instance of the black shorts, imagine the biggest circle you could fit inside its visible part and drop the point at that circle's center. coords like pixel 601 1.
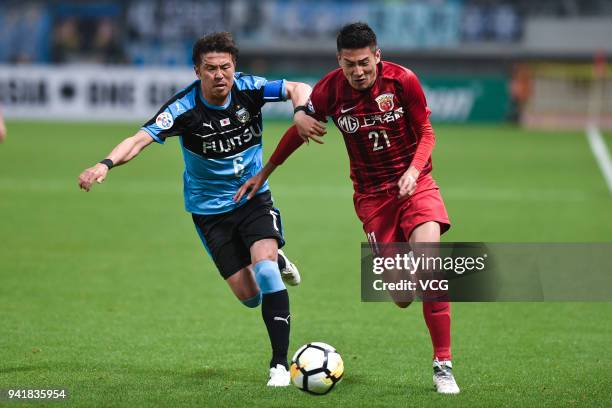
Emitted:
pixel 228 236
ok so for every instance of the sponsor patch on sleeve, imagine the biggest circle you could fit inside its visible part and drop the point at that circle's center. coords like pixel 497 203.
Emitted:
pixel 164 121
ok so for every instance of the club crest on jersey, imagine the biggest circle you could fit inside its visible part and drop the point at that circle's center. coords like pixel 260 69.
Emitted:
pixel 243 115
pixel 164 121
pixel 385 102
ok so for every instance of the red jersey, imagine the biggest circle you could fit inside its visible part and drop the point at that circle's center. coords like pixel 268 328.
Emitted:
pixel 382 126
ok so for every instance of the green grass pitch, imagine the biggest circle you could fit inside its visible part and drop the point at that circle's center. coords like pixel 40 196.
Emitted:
pixel 111 295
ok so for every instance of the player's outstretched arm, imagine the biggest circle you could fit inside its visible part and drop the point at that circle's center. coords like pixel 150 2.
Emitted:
pixel 416 107
pixel 121 154
pixel 287 145
pixel 253 184
pixel 307 126
pixel 408 182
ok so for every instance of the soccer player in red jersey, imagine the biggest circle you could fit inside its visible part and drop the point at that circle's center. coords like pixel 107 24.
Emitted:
pixel 381 111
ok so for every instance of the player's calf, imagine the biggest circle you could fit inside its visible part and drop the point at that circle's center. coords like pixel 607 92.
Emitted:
pixel 253 301
pixel 274 310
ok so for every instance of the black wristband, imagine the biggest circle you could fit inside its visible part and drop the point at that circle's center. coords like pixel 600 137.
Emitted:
pixel 108 163
pixel 303 108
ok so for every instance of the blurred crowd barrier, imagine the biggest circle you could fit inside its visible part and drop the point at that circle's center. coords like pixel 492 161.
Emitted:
pixel 119 60
pixel 569 96
pixel 162 32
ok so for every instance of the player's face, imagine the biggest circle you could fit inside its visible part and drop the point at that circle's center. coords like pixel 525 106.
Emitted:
pixel 216 71
pixel 359 66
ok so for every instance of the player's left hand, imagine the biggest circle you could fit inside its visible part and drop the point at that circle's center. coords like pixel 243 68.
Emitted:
pixel 309 128
pixel 253 184
pixel 408 182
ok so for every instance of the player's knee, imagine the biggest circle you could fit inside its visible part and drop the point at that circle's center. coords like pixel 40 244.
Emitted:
pixel 269 254
pixel 253 301
pixel 427 232
pixel 402 305
pixel 268 276
pixel 264 249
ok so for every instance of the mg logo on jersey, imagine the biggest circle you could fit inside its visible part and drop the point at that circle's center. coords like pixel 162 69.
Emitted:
pixel 351 124
pixel 385 102
pixel 348 123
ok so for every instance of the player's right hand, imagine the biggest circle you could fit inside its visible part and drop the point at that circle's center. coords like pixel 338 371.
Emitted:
pixel 309 128
pixel 253 184
pixel 96 173
pixel 407 184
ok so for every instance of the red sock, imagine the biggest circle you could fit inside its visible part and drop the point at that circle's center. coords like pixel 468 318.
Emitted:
pixel 437 318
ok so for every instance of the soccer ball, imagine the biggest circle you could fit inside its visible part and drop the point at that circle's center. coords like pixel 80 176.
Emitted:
pixel 316 368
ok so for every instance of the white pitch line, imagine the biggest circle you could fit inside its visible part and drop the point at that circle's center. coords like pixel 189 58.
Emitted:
pixel 600 151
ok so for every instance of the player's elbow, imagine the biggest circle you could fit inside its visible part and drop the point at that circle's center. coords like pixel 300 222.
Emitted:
pixel 427 133
pixel 138 142
pixel 297 90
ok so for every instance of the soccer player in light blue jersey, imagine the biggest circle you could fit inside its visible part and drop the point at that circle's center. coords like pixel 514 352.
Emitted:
pixel 218 120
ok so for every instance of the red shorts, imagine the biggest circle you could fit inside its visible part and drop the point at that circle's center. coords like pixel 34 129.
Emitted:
pixel 386 218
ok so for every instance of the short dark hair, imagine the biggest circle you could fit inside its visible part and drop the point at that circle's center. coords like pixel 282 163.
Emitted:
pixel 356 35
pixel 215 42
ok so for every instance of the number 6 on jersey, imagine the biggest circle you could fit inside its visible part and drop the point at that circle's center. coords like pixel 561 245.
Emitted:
pixel 238 166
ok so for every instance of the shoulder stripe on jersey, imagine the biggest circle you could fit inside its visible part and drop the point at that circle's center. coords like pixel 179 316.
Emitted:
pixel 184 104
pixel 248 82
pixel 185 96
pixel 176 106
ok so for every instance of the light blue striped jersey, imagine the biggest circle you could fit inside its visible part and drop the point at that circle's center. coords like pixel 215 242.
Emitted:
pixel 222 146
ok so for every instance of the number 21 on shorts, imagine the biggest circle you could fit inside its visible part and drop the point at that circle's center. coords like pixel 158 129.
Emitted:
pixel 372 241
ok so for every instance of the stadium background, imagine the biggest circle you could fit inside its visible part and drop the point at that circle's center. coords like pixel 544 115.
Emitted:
pixel 110 294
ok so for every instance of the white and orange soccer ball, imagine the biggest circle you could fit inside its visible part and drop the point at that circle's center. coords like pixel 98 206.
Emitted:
pixel 316 368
